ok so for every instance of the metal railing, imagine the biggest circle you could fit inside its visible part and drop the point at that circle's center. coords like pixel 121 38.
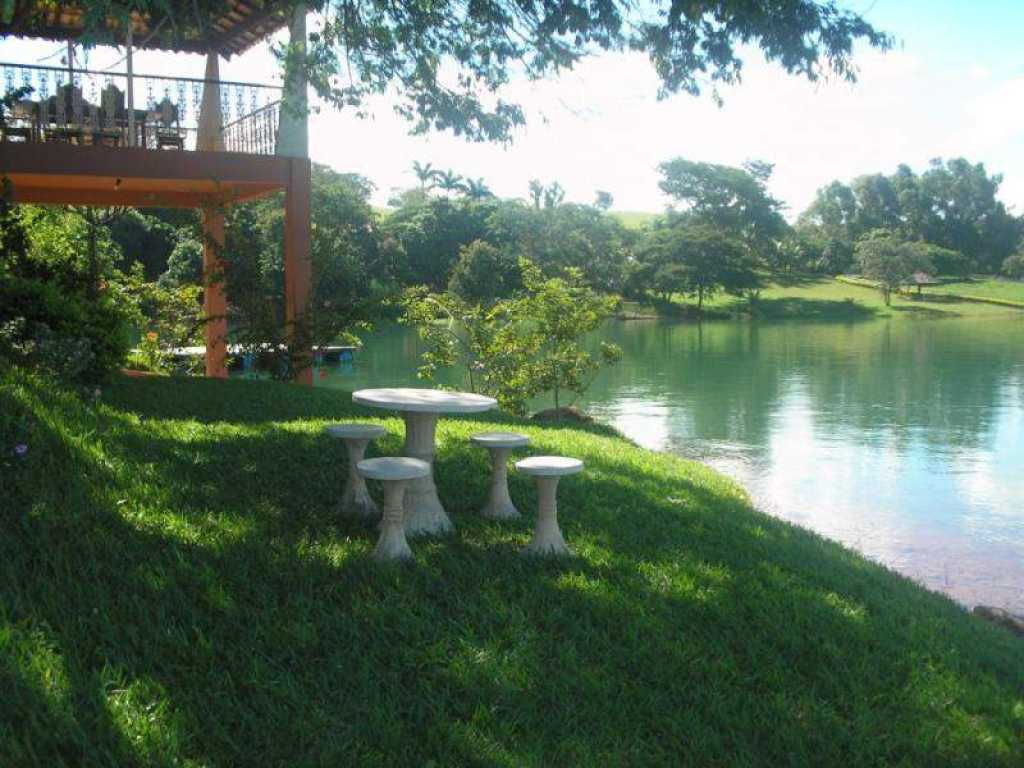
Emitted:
pixel 151 111
pixel 255 133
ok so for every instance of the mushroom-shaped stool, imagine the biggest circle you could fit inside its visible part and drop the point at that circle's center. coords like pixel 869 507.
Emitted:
pixel 355 499
pixel 395 472
pixel 499 504
pixel 548 470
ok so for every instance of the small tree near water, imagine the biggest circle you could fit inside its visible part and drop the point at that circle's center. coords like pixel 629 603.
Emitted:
pixel 889 261
pixel 561 310
pixel 518 348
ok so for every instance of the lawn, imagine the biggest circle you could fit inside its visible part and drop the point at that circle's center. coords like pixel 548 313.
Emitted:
pixel 984 287
pixel 634 219
pixel 821 298
pixel 177 589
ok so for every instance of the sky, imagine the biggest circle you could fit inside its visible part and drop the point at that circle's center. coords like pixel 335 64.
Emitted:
pixel 953 86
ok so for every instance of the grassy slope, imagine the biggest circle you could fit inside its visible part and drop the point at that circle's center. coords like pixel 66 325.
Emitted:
pixel 822 298
pixel 634 219
pixel 177 589
pixel 985 287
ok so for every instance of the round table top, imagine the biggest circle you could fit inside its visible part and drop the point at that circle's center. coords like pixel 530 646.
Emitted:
pixel 423 400
pixel 500 439
pixel 549 466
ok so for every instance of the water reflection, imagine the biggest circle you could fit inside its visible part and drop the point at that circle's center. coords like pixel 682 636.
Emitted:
pixel 904 439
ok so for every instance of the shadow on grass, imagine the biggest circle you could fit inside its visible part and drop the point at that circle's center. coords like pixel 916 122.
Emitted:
pixel 819 310
pixel 202 602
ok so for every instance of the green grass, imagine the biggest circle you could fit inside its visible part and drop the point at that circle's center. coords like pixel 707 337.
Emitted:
pixel 634 219
pixel 819 298
pixel 985 287
pixel 177 589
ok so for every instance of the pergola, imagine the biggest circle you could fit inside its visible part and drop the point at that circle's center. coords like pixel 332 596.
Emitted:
pixel 46 170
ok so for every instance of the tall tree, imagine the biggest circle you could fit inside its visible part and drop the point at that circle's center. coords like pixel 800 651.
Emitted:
pixel 446 61
pixel 735 200
pixel 425 174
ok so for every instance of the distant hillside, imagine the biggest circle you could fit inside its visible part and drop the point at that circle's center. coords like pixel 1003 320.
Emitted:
pixel 633 219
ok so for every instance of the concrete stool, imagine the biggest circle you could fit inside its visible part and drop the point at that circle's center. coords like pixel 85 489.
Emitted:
pixel 499 504
pixel 395 472
pixel 355 499
pixel 547 537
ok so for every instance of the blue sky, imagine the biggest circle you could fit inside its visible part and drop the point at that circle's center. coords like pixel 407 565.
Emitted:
pixel 953 86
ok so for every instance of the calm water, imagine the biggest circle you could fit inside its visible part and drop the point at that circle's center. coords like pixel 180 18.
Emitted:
pixel 904 439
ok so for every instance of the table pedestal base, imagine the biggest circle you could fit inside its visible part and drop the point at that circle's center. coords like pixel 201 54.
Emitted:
pixel 424 514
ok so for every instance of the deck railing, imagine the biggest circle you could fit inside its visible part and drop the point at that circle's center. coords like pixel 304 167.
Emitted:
pixel 92 107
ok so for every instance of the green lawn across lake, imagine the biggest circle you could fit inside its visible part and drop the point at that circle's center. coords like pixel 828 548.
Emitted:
pixel 176 588
pixel 815 297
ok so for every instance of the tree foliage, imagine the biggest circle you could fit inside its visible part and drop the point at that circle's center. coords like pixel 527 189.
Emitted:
pixel 734 201
pixel 686 255
pixel 518 348
pixel 953 205
pixel 890 261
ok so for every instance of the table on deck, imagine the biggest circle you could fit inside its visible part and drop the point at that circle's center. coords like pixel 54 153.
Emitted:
pixel 421 409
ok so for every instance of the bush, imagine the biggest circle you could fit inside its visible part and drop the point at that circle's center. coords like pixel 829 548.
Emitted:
pixel 61 310
pixel 76 338
pixel 1013 266
pixel 485 273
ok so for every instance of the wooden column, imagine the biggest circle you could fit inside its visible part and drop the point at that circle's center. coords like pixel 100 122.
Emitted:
pixel 298 270
pixel 215 305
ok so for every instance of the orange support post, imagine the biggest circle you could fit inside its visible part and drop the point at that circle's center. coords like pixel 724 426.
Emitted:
pixel 215 305
pixel 298 269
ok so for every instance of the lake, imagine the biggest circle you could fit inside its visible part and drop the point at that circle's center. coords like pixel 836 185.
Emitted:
pixel 901 438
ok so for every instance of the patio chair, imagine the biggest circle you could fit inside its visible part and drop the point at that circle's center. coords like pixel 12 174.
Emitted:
pixel 167 129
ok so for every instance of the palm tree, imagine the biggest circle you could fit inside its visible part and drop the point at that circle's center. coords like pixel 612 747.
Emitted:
pixel 536 192
pixel 449 181
pixel 477 189
pixel 554 195
pixel 425 173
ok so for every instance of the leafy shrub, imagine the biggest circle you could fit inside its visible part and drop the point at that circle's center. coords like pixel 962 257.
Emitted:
pixel 61 309
pixel 1013 266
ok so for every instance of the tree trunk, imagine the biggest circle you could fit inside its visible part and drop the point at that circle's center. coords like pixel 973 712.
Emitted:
pixel 700 297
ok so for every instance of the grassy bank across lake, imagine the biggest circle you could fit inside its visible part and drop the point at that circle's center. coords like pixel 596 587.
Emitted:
pixel 176 588
pixel 824 298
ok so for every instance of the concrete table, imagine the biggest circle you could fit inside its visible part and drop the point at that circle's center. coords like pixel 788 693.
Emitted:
pixel 421 409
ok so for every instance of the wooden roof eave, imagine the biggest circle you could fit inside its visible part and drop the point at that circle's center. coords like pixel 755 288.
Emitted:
pixel 235 31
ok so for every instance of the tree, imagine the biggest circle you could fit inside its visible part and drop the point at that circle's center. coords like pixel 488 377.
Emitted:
pixel 554 195
pixel 450 182
pixel 733 200
pixel 477 189
pixel 603 200
pixel 484 274
pixel 1013 266
pixel 563 236
pixel 889 261
pixel 686 255
pixel 425 174
pixel 447 61
pixel 431 234
pixel 62 304
pixel 355 267
pixel 536 192
pixel 560 310
pixel 953 205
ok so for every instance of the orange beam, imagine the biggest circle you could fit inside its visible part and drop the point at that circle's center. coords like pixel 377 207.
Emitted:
pixel 215 304
pixel 298 269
